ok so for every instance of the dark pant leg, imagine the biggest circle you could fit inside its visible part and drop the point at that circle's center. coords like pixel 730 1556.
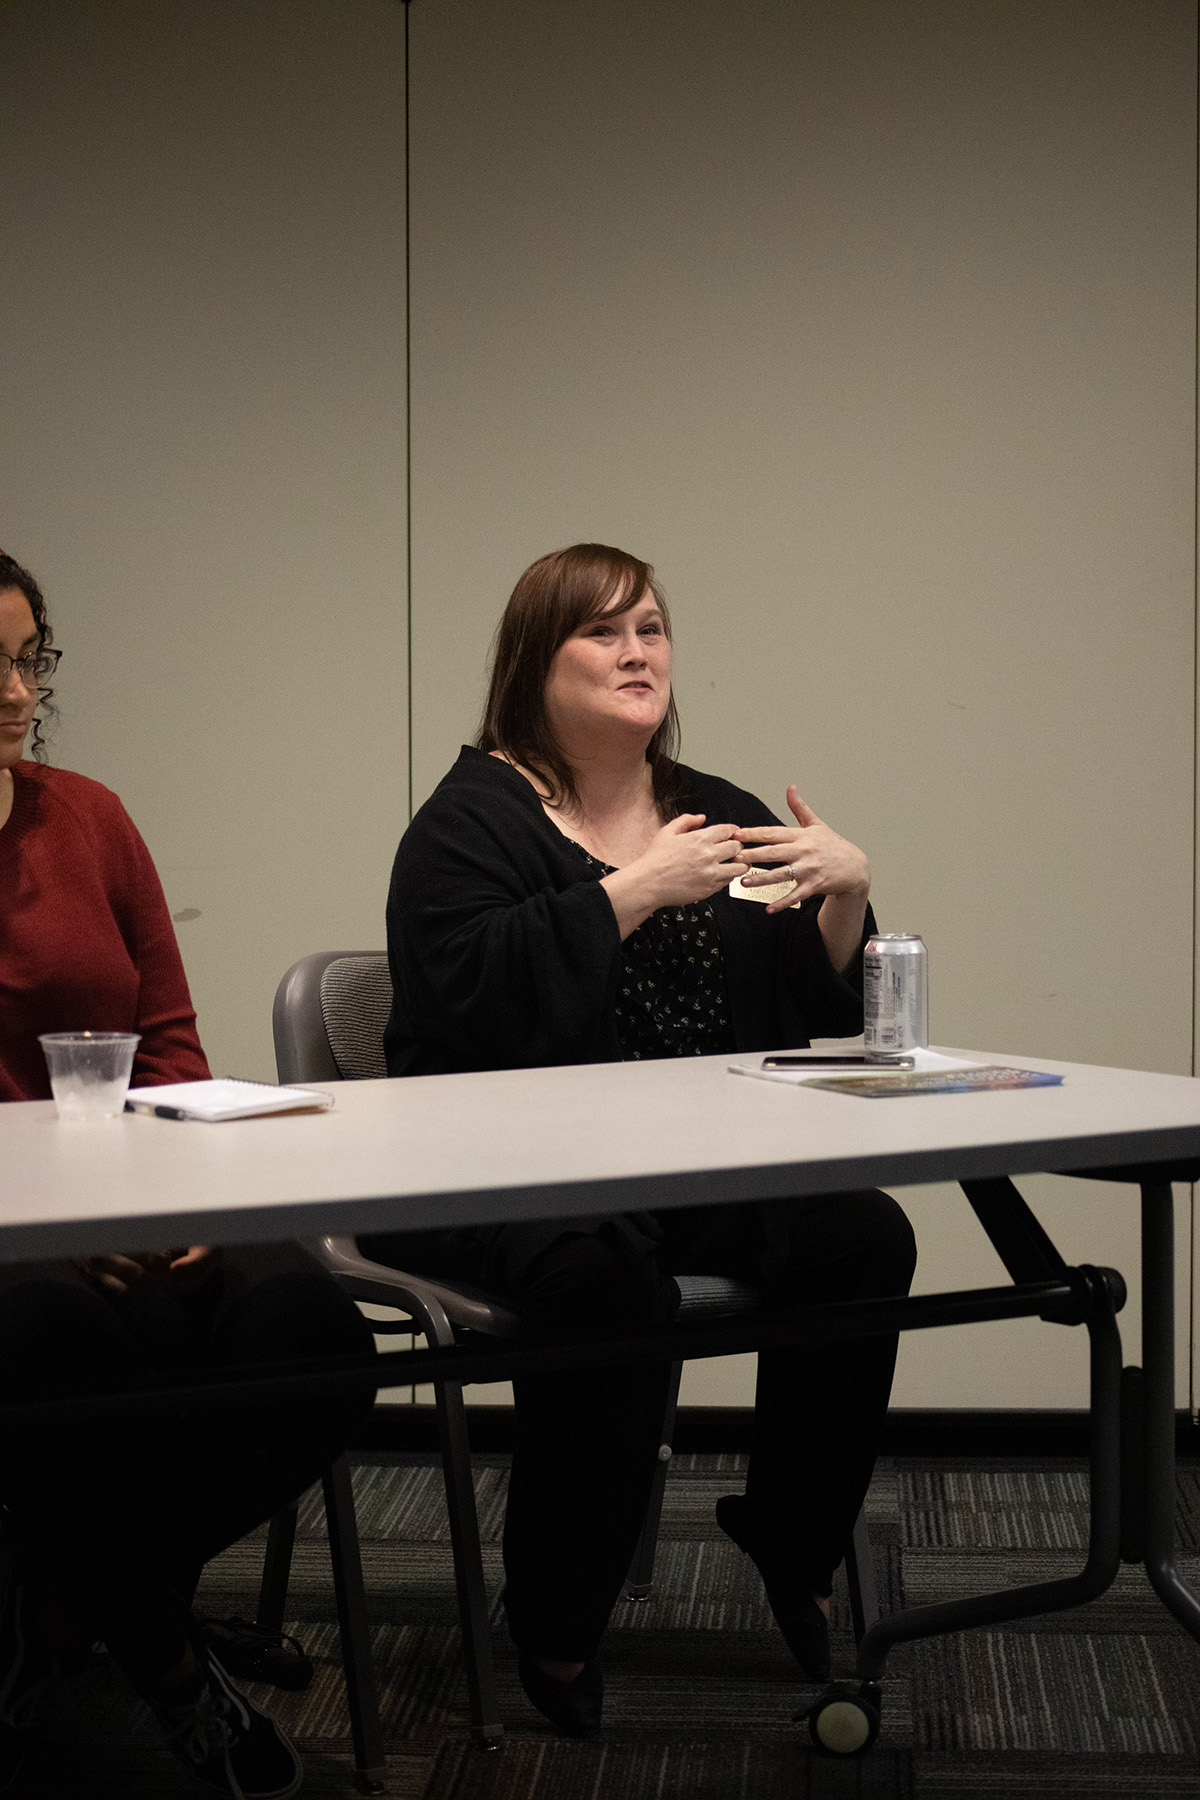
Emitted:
pixel 232 1467
pixel 90 1498
pixel 818 1408
pixel 585 1450
pixel 125 1512
pixel 586 1442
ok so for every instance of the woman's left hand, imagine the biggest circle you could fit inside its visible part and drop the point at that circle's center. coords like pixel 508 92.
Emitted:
pixel 818 860
pixel 192 1266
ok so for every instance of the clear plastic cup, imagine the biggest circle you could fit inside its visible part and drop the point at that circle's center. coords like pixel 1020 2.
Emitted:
pixel 89 1071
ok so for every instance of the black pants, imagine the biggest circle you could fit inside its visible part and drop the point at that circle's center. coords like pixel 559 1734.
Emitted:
pixel 121 1513
pixel 586 1442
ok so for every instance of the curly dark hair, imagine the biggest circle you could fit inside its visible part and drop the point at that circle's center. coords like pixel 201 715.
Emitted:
pixel 12 575
pixel 553 598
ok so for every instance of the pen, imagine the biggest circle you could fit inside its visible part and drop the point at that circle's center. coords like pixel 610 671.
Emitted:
pixel 158 1112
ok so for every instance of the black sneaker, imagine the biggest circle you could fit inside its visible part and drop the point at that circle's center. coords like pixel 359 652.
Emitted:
pixel 227 1742
pixel 252 1653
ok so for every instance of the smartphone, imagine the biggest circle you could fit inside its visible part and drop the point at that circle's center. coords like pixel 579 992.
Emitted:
pixel 843 1059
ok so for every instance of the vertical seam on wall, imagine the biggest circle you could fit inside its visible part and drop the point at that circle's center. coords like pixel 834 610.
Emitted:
pixel 412 1341
pixel 408 651
pixel 1195 738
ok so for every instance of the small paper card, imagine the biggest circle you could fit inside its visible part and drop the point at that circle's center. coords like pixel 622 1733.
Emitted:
pixel 770 890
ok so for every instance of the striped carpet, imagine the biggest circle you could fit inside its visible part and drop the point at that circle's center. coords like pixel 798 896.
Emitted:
pixel 1102 1702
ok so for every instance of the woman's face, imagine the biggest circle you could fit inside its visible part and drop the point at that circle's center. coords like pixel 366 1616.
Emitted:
pixel 18 637
pixel 612 676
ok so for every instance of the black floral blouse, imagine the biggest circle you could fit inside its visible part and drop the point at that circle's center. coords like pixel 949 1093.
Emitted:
pixel 671 998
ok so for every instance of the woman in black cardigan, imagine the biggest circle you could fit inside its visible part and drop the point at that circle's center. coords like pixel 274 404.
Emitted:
pixel 564 897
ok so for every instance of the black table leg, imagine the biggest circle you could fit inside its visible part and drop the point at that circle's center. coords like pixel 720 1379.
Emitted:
pixel 1158 1374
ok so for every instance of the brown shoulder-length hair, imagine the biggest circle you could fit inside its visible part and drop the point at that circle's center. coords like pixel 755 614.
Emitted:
pixel 553 598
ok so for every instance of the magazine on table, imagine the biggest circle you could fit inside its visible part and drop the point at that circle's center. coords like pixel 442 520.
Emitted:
pixel 909 1072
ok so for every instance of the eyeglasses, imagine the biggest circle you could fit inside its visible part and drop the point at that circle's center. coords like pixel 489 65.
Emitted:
pixel 32 670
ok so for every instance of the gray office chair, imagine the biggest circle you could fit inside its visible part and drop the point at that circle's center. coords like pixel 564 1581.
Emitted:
pixel 330 1012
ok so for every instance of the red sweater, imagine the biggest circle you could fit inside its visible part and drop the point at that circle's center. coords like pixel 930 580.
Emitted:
pixel 86 941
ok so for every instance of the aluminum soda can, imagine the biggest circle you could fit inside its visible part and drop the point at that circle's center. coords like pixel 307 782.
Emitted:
pixel 895 993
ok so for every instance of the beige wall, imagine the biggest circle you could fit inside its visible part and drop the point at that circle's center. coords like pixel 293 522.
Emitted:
pixel 872 326
pixel 203 450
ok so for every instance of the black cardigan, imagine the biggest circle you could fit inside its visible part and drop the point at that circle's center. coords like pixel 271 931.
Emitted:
pixel 505 953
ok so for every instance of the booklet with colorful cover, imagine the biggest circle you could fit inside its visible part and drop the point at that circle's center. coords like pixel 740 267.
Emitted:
pixel 980 1078
pixel 767 1068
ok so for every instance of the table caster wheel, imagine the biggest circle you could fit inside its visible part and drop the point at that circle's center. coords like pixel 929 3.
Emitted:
pixel 845 1720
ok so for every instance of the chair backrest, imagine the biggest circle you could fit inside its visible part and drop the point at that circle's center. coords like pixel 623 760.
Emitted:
pixel 329 1016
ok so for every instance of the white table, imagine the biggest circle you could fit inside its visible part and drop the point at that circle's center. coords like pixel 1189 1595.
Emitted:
pixel 452 1149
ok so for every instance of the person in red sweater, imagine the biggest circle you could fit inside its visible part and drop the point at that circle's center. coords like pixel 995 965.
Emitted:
pixel 87 939
pixel 106 1527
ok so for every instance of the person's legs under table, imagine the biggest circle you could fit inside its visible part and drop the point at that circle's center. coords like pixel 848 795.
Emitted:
pixel 232 1467
pixel 120 1513
pixel 586 1441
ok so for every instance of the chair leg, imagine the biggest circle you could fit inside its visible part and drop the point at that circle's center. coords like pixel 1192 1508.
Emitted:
pixel 639 1582
pixel 860 1579
pixel 277 1567
pixel 362 1694
pixel 486 1727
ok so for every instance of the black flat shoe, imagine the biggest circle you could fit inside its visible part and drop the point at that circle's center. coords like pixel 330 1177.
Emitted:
pixel 572 1707
pixel 804 1626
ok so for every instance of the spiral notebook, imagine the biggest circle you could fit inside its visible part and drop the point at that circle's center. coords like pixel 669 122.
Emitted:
pixel 226 1098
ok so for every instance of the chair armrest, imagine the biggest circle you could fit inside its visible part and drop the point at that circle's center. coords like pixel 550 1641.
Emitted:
pixel 460 1305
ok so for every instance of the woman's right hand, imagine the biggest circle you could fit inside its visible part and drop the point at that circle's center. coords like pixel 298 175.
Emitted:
pixel 181 1270
pixel 685 861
